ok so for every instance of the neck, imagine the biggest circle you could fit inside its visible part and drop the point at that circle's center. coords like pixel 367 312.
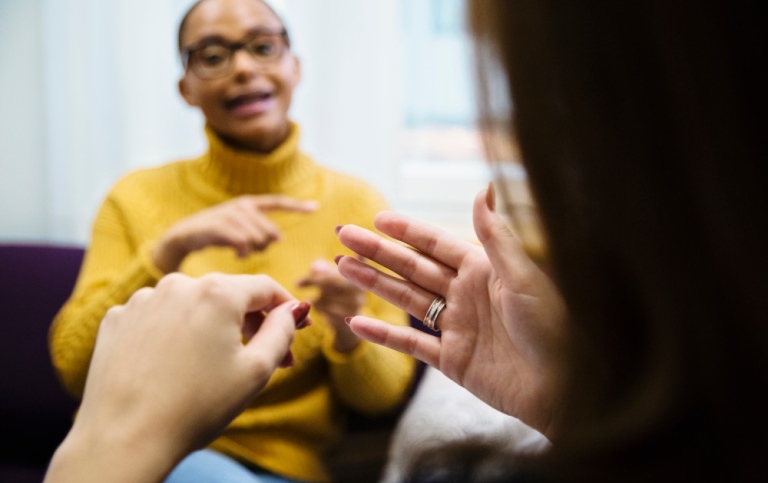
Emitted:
pixel 261 144
pixel 246 171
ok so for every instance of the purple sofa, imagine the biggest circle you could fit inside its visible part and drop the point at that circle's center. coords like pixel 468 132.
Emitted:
pixel 35 411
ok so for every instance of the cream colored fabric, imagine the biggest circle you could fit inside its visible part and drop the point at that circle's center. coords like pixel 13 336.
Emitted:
pixel 442 412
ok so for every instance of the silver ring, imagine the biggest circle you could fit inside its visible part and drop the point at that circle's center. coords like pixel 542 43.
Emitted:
pixel 433 312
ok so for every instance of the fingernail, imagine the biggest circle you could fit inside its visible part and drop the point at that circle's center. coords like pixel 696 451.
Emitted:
pixel 347 320
pixel 338 229
pixel 300 312
pixel 304 323
pixel 490 197
pixel 337 258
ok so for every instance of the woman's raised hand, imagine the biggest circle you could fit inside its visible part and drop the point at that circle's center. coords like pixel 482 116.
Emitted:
pixel 502 326
pixel 171 368
pixel 240 223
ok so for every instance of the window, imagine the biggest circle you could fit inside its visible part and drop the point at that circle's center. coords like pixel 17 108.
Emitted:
pixel 442 166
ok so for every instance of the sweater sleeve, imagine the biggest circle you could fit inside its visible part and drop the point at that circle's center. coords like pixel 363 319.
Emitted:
pixel 113 269
pixel 372 379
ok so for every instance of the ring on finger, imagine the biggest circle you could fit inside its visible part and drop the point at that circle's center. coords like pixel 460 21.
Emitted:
pixel 433 312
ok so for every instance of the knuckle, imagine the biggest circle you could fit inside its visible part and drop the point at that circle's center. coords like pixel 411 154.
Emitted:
pixel 411 344
pixel 213 279
pixel 171 279
pixel 214 295
pixel 405 297
pixel 410 265
pixel 243 203
pixel 211 285
pixel 141 294
pixel 112 314
pixel 265 280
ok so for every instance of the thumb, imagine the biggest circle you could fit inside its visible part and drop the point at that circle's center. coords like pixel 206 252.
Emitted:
pixel 503 249
pixel 269 346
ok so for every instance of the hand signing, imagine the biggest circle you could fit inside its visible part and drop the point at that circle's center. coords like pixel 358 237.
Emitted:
pixel 338 300
pixel 241 223
pixel 171 369
pixel 503 315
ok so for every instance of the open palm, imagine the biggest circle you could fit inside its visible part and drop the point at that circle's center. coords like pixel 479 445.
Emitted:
pixel 501 329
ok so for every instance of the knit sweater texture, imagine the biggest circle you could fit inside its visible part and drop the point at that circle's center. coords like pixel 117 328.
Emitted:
pixel 301 411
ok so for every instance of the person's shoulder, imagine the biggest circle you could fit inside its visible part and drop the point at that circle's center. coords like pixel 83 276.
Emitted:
pixel 349 186
pixel 153 177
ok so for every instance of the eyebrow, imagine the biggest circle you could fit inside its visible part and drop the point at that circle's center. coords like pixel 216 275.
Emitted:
pixel 218 39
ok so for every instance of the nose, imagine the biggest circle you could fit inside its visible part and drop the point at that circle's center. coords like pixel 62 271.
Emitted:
pixel 245 65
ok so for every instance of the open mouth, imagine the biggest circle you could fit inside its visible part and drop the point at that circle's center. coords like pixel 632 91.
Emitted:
pixel 251 103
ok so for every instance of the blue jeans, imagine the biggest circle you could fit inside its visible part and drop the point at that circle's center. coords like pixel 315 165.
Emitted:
pixel 207 466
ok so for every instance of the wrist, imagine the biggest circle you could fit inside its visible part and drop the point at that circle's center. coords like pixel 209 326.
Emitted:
pixel 346 341
pixel 108 454
pixel 168 253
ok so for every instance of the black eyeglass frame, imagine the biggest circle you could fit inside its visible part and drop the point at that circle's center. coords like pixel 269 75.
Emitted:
pixel 233 47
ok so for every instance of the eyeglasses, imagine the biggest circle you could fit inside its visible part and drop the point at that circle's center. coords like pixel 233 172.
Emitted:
pixel 212 58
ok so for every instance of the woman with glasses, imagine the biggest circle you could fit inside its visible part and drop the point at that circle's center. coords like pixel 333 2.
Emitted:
pixel 252 204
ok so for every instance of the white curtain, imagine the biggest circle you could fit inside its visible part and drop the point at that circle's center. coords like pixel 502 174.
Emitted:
pixel 93 95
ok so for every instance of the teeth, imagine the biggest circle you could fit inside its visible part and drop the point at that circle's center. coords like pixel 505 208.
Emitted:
pixel 248 98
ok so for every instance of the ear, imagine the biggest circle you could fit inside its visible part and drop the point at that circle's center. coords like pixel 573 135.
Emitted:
pixel 296 70
pixel 187 93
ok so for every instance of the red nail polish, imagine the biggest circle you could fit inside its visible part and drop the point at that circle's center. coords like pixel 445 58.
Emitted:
pixel 304 323
pixel 300 312
pixel 338 229
pixel 490 197
pixel 337 258
pixel 347 320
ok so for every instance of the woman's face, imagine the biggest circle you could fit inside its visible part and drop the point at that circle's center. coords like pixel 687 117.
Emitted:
pixel 249 105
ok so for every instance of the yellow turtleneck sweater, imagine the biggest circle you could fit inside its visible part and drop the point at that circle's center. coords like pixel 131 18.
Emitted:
pixel 299 414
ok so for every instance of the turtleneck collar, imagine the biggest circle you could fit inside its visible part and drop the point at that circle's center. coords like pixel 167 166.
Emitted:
pixel 245 172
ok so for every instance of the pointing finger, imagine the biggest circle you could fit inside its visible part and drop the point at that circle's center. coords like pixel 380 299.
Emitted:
pixel 284 203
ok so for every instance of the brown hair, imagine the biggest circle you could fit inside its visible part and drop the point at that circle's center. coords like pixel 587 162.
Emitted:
pixel 637 127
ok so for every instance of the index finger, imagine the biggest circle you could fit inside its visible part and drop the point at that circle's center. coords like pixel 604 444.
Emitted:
pixel 270 344
pixel 419 268
pixel 282 202
pixel 434 242
pixel 256 292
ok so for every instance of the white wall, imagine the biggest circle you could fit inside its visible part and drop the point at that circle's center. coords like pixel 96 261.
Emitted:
pixel 351 100
pixel 112 104
pixel 23 201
